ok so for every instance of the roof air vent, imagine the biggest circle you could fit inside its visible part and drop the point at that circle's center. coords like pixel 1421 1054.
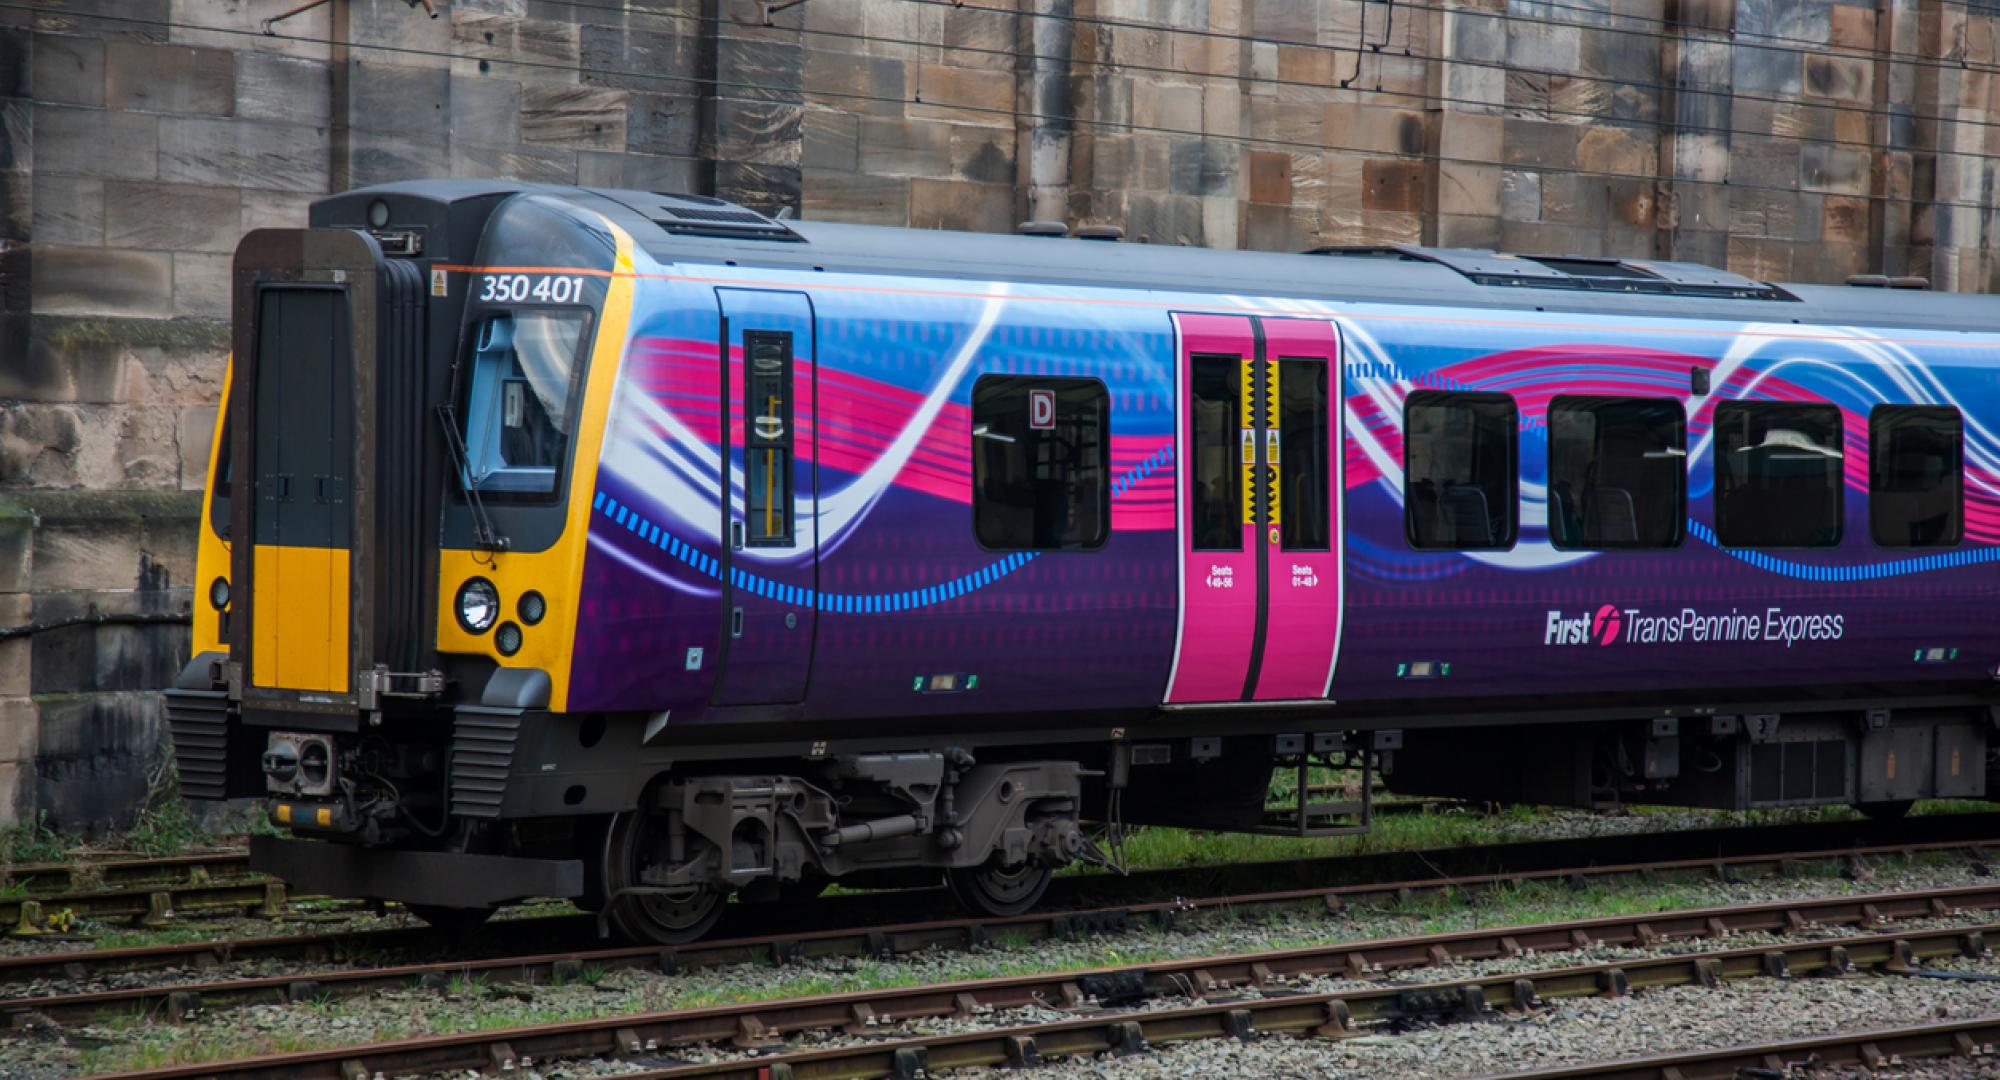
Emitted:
pixel 699 215
pixel 1868 281
pixel 1042 228
pixel 1099 232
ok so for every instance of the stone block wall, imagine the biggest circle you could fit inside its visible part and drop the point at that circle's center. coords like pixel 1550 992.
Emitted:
pixel 1791 139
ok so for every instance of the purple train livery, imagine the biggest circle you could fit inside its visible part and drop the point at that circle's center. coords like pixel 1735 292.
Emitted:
pixel 646 550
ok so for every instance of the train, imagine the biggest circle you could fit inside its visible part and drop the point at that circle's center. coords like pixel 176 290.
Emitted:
pixel 655 553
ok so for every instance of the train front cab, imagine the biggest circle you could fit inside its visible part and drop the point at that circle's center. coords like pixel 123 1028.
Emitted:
pixel 360 613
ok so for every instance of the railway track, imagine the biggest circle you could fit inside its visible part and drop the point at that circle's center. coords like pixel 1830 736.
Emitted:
pixel 854 925
pixel 1874 1049
pixel 182 999
pixel 23 914
pixel 153 903
pixel 202 868
pixel 1257 988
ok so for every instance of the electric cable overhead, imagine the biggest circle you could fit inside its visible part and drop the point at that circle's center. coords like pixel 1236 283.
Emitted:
pixel 1241 140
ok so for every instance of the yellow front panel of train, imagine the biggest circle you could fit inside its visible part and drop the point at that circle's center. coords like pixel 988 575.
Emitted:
pixel 299 617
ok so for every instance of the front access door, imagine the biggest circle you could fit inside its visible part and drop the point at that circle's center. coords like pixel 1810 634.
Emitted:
pixel 1259 445
pixel 301 520
pixel 769 518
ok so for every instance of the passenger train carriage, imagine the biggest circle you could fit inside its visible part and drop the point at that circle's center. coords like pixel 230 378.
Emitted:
pixel 645 550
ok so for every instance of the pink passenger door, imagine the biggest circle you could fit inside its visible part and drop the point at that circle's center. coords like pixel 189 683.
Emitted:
pixel 1258 439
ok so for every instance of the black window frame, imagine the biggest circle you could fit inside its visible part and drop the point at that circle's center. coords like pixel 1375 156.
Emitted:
pixel 1564 401
pixel 1876 419
pixel 1037 382
pixel 1512 472
pixel 1716 428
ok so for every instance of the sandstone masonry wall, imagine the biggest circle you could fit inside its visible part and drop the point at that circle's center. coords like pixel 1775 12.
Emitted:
pixel 1789 139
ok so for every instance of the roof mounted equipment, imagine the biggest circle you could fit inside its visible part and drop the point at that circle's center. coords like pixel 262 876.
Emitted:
pixel 1577 272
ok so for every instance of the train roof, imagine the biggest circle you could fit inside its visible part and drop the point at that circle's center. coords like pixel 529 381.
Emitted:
pixel 699 229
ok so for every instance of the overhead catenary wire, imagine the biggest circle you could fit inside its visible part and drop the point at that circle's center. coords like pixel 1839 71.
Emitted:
pixel 1362 52
pixel 1244 140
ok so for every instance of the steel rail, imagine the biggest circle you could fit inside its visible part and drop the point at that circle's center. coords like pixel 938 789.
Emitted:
pixel 649 1037
pixel 1872 1049
pixel 883 941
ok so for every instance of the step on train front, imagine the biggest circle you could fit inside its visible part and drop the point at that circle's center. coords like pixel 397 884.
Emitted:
pixel 648 552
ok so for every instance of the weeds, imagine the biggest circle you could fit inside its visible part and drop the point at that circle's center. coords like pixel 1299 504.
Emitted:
pixel 164 826
pixel 33 842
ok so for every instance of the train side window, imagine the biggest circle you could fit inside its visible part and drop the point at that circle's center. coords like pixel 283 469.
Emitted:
pixel 1303 465
pixel 767 442
pixel 1041 462
pixel 517 422
pixel 1459 470
pixel 1916 475
pixel 1617 472
pixel 1778 474
pixel 1215 495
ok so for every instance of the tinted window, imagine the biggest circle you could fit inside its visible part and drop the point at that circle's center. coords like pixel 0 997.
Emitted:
pixel 1916 476
pixel 1617 472
pixel 1040 462
pixel 1303 465
pixel 1778 475
pixel 517 417
pixel 225 472
pixel 1458 470
pixel 767 438
pixel 1215 473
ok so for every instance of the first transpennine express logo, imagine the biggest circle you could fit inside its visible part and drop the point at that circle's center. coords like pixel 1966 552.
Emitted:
pixel 1604 628
pixel 1611 625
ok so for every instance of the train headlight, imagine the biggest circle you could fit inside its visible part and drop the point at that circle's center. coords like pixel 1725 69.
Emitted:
pixel 478 605
pixel 533 607
pixel 508 640
pixel 218 593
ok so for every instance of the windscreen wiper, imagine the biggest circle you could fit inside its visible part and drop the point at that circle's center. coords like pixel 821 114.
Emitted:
pixel 484 536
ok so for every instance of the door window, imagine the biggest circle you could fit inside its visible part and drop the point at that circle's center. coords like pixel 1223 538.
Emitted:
pixel 1303 465
pixel 1216 473
pixel 767 446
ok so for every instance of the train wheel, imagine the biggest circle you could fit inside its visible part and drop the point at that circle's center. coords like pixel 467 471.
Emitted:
pixel 452 922
pixel 996 889
pixel 633 846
